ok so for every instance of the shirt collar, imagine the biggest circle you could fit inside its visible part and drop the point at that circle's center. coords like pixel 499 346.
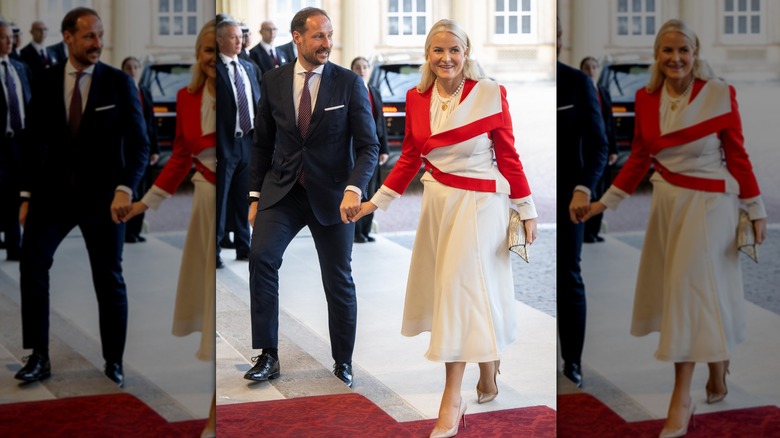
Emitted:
pixel 227 59
pixel 70 69
pixel 5 58
pixel 299 68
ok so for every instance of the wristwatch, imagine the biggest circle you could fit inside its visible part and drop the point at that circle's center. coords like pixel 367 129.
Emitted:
pixel 250 199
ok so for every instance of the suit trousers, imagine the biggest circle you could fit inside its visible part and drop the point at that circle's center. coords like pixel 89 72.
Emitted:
pixel 45 229
pixel 274 229
pixel 571 289
pixel 232 189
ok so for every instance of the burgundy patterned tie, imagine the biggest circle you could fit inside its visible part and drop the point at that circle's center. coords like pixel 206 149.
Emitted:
pixel 304 115
pixel 75 106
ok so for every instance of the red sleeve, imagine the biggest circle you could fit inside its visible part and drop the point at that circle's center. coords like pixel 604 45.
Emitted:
pixel 410 160
pixel 180 163
pixel 638 163
pixel 507 158
pixel 737 160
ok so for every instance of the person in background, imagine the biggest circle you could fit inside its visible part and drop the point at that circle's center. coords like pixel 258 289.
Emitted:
pixel 195 144
pixel 264 54
pixel 132 67
pixel 460 285
pixel 689 285
pixel 363 226
pixel 35 54
pixel 590 66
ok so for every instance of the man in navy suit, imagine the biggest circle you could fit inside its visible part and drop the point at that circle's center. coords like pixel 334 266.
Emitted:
pixel 15 78
pixel 582 156
pixel 262 53
pixel 59 52
pixel 237 94
pixel 35 54
pixel 288 51
pixel 304 173
pixel 88 150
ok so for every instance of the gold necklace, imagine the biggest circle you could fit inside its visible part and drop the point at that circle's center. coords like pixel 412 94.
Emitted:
pixel 446 103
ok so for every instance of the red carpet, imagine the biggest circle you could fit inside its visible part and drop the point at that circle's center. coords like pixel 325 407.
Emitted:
pixel 114 415
pixel 352 415
pixel 584 416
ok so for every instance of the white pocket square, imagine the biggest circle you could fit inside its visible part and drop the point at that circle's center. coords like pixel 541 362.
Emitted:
pixel 334 108
pixel 561 108
pixel 103 108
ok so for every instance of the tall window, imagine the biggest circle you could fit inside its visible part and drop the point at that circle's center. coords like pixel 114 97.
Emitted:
pixel 177 18
pixel 515 21
pixel 52 13
pixel 406 17
pixel 285 10
pixel 742 17
pixel 636 17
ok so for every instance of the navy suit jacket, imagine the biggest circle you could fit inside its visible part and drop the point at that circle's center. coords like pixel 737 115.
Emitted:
pixel 581 141
pixel 24 76
pixel 58 53
pixel 287 52
pixel 262 58
pixel 341 119
pixel 227 106
pixel 33 59
pixel 110 149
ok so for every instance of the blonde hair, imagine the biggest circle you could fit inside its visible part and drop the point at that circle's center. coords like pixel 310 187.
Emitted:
pixel 198 77
pixel 700 68
pixel 471 69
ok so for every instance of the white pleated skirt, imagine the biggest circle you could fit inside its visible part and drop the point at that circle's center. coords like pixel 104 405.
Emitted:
pixel 460 285
pixel 689 286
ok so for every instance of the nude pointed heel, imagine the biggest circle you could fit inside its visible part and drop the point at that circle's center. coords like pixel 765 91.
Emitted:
pixel 484 397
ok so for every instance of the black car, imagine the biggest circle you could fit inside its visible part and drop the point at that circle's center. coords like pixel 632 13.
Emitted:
pixel 393 75
pixel 164 76
pixel 623 80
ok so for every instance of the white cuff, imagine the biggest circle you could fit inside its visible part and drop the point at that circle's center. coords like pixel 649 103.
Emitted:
pixel 155 197
pixel 613 197
pixel 384 196
pixel 125 189
pixel 755 207
pixel 356 190
pixel 582 189
pixel 526 207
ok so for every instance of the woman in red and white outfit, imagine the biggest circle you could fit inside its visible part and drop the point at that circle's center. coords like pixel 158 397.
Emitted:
pixel 195 143
pixel 689 286
pixel 460 285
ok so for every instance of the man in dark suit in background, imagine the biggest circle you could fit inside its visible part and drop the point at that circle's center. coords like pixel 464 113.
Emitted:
pixel 15 78
pixel 582 156
pixel 88 150
pixel 35 54
pixel 304 173
pixel 288 52
pixel 237 94
pixel 264 53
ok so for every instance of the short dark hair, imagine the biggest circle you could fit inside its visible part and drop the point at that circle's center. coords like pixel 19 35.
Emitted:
pixel 298 23
pixel 69 22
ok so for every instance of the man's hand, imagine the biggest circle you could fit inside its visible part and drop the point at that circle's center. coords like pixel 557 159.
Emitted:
pixel 579 206
pixel 23 208
pixel 136 209
pixel 120 206
pixel 595 209
pixel 252 213
pixel 350 206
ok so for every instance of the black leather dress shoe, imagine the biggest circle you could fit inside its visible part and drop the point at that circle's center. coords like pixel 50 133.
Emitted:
pixel 573 372
pixel 220 265
pixel 37 368
pixel 131 239
pixel 227 243
pixel 344 372
pixel 360 239
pixel 266 368
pixel 242 257
pixel 114 372
pixel 370 239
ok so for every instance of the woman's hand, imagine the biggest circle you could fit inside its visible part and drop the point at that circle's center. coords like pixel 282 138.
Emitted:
pixel 596 208
pixel 366 208
pixel 530 230
pixel 136 208
pixel 759 225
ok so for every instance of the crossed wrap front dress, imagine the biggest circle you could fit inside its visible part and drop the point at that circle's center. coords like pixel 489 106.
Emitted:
pixel 689 285
pixel 460 285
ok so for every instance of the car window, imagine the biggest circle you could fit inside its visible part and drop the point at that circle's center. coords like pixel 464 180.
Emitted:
pixel 394 80
pixel 164 81
pixel 623 81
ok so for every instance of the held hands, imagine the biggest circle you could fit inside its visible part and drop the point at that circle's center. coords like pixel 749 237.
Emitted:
pixel 579 206
pixel 596 208
pixel 350 206
pixel 366 208
pixel 759 225
pixel 137 208
pixel 120 206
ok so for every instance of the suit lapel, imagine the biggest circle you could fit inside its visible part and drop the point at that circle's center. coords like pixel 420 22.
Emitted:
pixel 222 73
pixel 323 97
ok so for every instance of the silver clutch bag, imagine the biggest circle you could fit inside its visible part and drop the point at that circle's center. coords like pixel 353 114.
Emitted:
pixel 516 235
pixel 746 236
